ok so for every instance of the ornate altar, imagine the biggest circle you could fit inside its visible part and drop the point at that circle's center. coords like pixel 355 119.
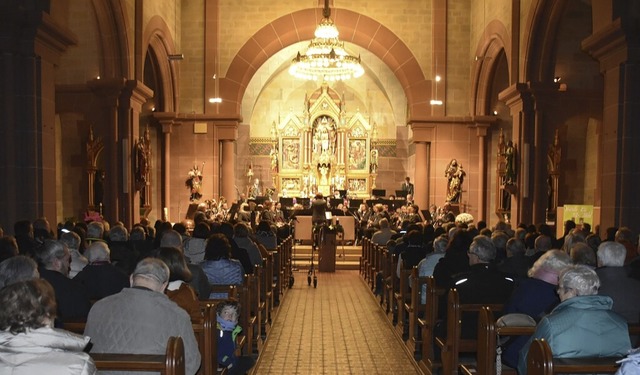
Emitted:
pixel 324 149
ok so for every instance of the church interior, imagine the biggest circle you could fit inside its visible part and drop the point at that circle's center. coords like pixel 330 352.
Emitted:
pixel 109 105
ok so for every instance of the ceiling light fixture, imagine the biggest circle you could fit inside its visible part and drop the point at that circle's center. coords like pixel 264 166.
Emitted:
pixel 326 57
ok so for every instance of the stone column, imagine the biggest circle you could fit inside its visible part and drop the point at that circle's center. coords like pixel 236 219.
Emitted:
pixel 481 132
pixel 227 134
pixel 518 98
pixel 615 45
pixel 32 45
pixel 134 95
pixel 423 135
pixel 167 121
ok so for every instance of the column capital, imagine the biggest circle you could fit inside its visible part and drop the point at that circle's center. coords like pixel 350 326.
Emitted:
pixel 137 92
pixel 166 120
pixel 608 45
pixel 226 131
pixel 515 95
pixel 108 89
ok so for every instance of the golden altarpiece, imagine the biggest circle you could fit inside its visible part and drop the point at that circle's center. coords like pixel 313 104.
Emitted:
pixel 324 149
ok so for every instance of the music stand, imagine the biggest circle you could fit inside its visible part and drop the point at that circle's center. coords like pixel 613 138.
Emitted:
pixel 378 193
pixel 401 194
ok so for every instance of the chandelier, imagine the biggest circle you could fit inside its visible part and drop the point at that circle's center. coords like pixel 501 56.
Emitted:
pixel 326 57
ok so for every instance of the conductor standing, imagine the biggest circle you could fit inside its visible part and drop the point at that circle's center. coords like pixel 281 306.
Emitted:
pixel 318 209
pixel 407 186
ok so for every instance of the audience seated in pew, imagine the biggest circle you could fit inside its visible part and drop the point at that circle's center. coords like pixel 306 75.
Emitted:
pixel 140 319
pixel 199 282
pixel 178 290
pixel 483 283
pixel 218 266
pixel 71 296
pixel 100 277
pixel 534 296
pixel 28 342
pixel 227 314
pixel 17 268
pixel 616 283
pixel 583 324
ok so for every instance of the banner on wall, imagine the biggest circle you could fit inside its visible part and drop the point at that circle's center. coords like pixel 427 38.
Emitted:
pixel 579 214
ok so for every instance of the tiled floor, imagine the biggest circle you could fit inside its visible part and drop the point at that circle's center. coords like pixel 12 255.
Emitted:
pixel 337 328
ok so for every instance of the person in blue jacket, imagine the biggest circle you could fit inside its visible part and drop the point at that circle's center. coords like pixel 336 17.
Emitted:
pixel 583 324
pixel 227 315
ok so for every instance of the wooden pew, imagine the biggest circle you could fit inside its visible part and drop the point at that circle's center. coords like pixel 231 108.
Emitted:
pixel 487 344
pixel 452 345
pixel 414 309
pixel 540 361
pixel 401 297
pixel 427 362
pixel 390 287
pixel 170 363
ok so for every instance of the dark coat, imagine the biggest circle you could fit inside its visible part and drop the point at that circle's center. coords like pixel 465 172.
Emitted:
pixel 71 296
pixel 102 280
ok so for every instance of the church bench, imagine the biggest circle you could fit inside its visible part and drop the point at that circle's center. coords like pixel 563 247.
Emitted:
pixel 390 286
pixel 385 273
pixel 487 344
pixel 401 296
pixel 426 324
pixel 415 308
pixel 452 345
pixel 540 361
pixel 170 363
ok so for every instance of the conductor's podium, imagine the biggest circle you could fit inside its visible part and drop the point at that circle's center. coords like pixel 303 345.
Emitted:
pixel 327 251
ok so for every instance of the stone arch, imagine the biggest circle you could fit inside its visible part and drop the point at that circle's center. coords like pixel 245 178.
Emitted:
pixel 157 39
pixel 539 46
pixel 354 28
pixel 495 42
pixel 112 28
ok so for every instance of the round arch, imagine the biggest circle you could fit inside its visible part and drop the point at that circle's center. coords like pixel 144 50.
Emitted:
pixel 112 28
pixel 354 28
pixel 487 53
pixel 157 38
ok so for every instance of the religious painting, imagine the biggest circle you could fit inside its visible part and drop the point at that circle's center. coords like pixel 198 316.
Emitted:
pixel 357 154
pixel 290 186
pixel 290 154
pixel 357 184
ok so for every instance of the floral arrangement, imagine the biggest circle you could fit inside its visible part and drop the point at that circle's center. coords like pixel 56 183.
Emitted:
pixel 464 218
pixel 194 182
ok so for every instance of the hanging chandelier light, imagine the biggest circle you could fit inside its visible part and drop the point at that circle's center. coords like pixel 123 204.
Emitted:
pixel 326 57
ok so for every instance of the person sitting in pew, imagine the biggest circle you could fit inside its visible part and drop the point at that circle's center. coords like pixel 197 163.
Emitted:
pixel 583 324
pixel 179 290
pixel 616 283
pixel 227 314
pixel 535 296
pixel 140 319
pixel 218 265
pixel 28 342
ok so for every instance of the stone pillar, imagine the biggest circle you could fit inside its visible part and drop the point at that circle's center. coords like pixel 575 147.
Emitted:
pixel 167 121
pixel 518 98
pixel 32 45
pixel 481 133
pixel 421 184
pixel 134 95
pixel 227 134
pixel 423 135
pixel 615 45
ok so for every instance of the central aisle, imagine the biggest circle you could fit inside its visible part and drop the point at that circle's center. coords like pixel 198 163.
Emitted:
pixel 338 328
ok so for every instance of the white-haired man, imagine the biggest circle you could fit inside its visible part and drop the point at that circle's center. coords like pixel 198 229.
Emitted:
pixel 141 319
pixel 615 282
pixel 100 277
